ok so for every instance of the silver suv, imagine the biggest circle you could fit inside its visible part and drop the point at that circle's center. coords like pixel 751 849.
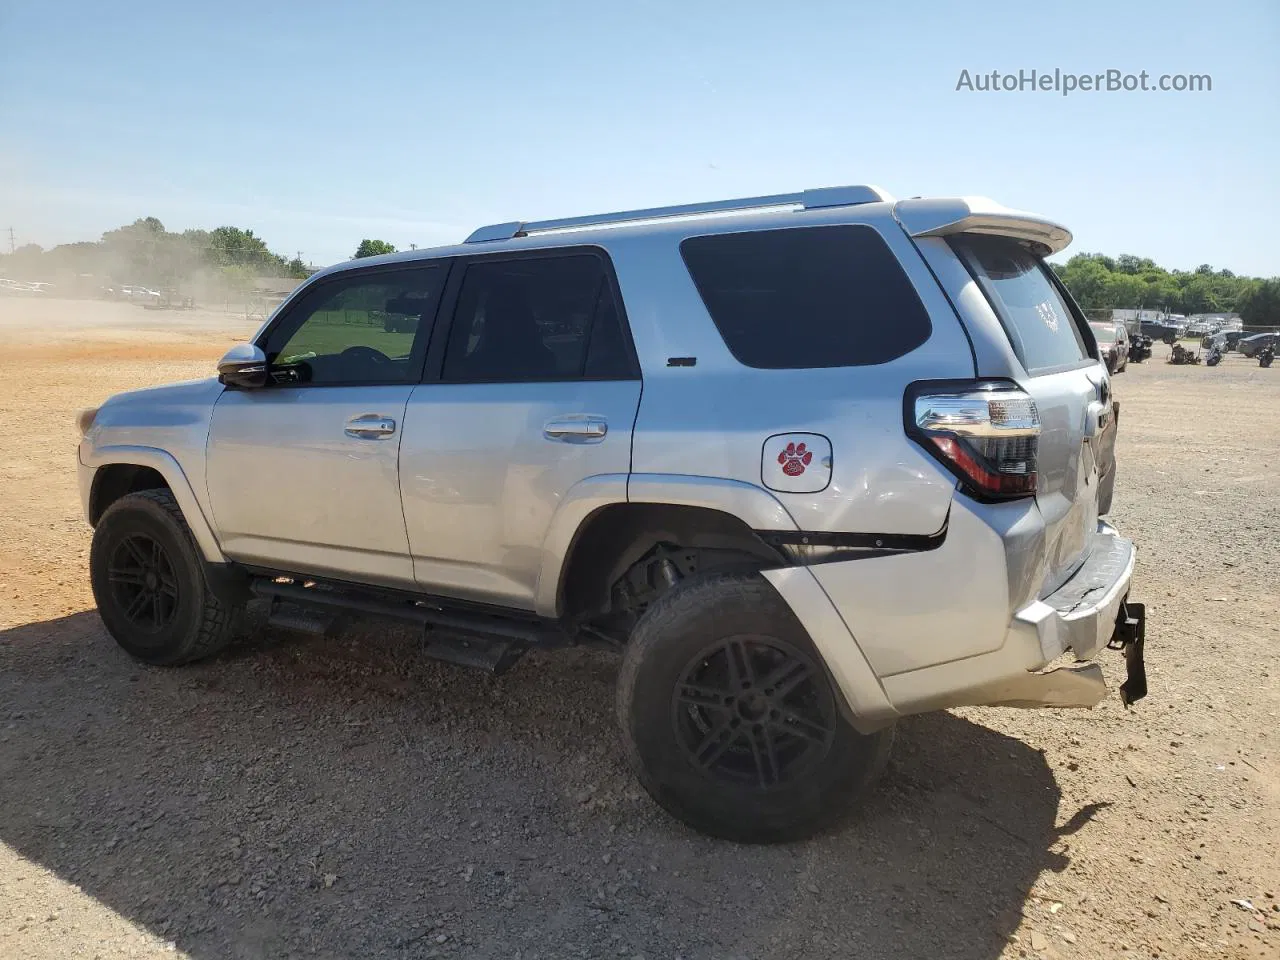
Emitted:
pixel 811 462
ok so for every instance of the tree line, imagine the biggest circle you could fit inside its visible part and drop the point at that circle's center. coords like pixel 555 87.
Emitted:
pixel 1100 283
pixel 144 252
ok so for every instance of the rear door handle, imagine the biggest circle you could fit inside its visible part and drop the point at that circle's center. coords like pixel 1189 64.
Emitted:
pixel 1094 417
pixel 576 429
pixel 370 426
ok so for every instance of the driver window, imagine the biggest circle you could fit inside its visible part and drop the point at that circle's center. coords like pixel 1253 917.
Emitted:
pixel 363 329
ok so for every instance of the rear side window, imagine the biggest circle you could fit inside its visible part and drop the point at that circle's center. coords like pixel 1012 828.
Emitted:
pixel 1039 322
pixel 536 318
pixel 807 297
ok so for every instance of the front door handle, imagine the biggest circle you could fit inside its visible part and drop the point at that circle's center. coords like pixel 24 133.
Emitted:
pixel 370 426
pixel 576 429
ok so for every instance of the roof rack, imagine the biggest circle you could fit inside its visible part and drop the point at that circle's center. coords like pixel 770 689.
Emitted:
pixel 806 199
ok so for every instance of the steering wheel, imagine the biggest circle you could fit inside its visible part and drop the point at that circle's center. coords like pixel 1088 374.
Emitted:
pixel 361 352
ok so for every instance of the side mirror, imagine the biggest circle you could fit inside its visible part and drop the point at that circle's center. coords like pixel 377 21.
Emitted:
pixel 244 365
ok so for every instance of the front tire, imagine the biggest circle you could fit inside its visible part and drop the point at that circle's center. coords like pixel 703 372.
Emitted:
pixel 149 584
pixel 730 719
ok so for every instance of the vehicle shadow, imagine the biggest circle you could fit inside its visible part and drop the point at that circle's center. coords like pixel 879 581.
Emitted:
pixel 350 797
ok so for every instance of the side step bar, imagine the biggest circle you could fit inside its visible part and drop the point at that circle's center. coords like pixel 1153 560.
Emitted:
pixel 473 638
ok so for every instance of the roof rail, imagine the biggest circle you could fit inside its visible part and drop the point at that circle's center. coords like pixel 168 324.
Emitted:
pixel 806 199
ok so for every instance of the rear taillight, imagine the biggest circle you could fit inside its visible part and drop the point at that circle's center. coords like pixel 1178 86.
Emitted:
pixel 983 431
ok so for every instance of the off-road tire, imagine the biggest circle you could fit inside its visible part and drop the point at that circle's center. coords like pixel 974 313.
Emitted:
pixel 197 624
pixel 671 636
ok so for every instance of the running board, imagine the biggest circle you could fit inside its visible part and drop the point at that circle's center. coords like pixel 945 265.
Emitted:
pixel 487 640
pixel 313 622
pixel 487 653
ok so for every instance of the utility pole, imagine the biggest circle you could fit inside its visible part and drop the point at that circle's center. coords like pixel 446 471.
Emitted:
pixel 11 243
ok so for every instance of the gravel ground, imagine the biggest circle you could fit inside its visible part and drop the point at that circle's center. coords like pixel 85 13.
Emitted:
pixel 349 797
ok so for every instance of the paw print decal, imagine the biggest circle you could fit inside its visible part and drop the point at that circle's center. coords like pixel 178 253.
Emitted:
pixel 794 459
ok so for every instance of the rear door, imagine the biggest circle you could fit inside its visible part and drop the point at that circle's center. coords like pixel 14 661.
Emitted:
pixel 534 389
pixel 1070 387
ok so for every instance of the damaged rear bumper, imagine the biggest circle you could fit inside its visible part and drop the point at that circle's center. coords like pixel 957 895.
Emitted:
pixel 1045 656
pixel 1081 615
pixel 1086 614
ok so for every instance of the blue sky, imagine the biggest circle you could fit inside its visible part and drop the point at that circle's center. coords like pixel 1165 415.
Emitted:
pixel 317 124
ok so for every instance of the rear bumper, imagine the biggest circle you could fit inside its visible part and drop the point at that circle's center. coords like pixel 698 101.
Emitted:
pixel 1026 670
pixel 1081 615
pixel 1015 666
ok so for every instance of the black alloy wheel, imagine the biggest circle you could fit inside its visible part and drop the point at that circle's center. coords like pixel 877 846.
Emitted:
pixel 143 583
pixel 754 711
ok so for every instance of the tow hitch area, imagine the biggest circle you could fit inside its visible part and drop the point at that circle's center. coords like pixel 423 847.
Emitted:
pixel 1130 635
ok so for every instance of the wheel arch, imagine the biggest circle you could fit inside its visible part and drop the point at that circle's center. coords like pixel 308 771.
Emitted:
pixel 614 538
pixel 612 509
pixel 116 480
pixel 122 470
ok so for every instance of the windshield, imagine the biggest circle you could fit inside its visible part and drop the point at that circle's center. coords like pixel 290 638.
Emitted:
pixel 1103 332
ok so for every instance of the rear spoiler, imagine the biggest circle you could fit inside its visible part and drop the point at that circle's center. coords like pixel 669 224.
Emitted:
pixel 944 216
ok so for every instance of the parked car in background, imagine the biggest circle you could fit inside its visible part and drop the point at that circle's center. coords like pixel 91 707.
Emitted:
pixel 1225 339
pixel 1159 330
pixel 1251 346
pixel 24 287
pixel 1113 344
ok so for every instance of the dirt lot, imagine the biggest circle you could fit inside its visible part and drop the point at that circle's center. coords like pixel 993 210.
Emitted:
pixel 348 797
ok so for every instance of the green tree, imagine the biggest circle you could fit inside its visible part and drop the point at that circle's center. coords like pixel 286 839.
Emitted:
pixel 1128 263
pixel 1259 304
pixel 1125 290
pixel 1085 275
pixel 373 248
pixel 232 246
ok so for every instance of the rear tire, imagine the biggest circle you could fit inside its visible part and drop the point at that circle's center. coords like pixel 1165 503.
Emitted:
pixel 730 719
pixel 149 584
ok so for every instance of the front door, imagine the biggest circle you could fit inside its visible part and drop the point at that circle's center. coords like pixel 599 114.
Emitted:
pixel 537 390
pixel 302 473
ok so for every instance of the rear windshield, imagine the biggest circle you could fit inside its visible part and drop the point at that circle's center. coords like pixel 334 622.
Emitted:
pixel 1038 321
pixel 807 297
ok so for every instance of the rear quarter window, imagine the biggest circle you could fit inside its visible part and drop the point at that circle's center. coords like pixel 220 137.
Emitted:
pixel 1040 324
pixel 807 297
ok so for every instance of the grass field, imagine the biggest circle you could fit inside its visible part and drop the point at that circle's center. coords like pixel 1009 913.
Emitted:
pixel 327 339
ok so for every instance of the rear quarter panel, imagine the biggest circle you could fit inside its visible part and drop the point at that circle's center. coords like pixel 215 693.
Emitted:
pixel 712 419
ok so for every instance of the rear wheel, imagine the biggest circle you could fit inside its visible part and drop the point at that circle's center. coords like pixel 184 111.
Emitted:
pixel 730 720
pixel 148 581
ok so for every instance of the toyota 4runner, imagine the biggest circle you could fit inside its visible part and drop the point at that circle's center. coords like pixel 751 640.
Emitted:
pixel 811 462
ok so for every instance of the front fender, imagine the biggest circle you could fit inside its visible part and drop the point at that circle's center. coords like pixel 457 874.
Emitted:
pixel 163 463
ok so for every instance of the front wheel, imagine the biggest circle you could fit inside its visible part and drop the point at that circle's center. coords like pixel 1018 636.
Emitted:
pixel 730 719
pixel 149 584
